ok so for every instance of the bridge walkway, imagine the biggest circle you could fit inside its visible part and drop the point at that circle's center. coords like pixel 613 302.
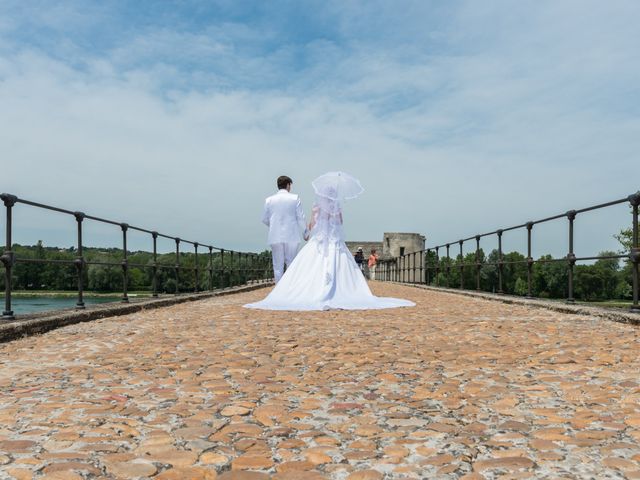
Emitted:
pixel 457 387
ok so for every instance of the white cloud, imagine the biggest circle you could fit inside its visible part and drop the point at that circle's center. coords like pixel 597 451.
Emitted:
pixel 491 116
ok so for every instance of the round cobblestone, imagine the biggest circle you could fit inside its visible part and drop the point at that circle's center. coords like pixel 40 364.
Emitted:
pixel 454 388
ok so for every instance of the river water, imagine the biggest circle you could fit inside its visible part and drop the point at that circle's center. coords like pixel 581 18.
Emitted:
pixel 22 305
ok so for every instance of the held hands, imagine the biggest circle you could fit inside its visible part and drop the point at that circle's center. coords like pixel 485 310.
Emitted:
pixel 307 232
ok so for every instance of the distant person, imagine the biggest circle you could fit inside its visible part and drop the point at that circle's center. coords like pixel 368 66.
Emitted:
pixel 284 216
pixel 359 257
pixel 373 261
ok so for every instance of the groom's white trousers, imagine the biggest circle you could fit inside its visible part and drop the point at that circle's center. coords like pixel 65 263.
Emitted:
pixel 282 254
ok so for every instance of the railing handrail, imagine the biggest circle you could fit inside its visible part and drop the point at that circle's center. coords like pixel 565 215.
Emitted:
pixel 249 269
pixel 537 222
pixel 399 268
pixel 17 199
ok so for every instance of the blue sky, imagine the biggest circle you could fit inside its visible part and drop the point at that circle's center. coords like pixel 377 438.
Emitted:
pixel 459 117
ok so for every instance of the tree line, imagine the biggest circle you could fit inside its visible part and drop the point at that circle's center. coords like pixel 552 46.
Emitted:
pixel 605 279
pixel 45 269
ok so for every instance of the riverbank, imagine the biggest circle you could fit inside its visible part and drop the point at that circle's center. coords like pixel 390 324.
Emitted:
pixel 72 294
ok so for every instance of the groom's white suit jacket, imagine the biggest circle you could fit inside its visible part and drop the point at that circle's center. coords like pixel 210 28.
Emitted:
pixel 284 216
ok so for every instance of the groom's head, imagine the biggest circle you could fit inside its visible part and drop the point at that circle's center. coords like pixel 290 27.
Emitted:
pixel 284 183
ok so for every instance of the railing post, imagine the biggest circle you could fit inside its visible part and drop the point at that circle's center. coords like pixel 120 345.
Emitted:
pixel 448 267
pixel 270 260
pixel 154 281
pixel 125 263
pixel 79 261
pixel 257 268
pixel 529 259
pixel 571 258
pixel 261 270
pixel 477 263
pixel 210 268
pixel 424 274
pixel 461 266
pixel 413 266
pixel 231 270
pixel 8 257
pixel 243 267
pixel 177 266
pixel 404 269
pixel 634 254
pixel 396 272
pixel 196 285
pixel 500 262
pixel 437 266
pixel 222 281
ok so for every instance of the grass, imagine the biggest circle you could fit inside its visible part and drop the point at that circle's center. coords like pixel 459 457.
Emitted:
pixel 607 303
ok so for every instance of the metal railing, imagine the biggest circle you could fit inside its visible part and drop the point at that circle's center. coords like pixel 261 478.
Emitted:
pixel 417 267
pixel 249 267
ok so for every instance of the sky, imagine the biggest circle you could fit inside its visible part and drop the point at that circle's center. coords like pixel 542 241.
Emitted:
pixel 458 117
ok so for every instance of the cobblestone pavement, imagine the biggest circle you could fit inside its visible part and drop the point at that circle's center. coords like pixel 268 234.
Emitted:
pixel 454 388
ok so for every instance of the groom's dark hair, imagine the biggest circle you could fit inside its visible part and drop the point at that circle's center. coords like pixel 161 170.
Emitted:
pixel 284 182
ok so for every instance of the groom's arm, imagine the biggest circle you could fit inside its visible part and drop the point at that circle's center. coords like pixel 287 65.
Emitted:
pixel 266 214
pixel 301 220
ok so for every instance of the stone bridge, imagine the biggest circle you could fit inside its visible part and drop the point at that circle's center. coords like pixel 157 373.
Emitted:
pixel 458 387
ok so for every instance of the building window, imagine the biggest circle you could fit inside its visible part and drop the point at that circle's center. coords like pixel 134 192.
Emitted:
pixel 401 251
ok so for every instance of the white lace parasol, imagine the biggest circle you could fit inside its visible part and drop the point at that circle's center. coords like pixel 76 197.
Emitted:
pixel 337 186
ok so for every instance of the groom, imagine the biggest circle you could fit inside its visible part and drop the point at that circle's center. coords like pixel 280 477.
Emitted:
pixel 284 216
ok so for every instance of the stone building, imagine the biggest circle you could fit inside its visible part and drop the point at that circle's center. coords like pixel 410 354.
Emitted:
pixel 398 244
pixel 394 244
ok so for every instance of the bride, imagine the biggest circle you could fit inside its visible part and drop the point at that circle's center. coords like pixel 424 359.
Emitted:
pixel 324 274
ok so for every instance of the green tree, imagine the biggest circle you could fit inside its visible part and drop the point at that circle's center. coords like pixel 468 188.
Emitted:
pixel 520 287
pixel 515 267
pixel 550 278
pixel 588 285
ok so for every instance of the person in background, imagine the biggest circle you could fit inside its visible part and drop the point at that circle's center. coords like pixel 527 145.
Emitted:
pixel 373 261
pixel 359 258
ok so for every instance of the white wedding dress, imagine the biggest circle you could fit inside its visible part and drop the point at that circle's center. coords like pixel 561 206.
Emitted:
pixel 324 274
